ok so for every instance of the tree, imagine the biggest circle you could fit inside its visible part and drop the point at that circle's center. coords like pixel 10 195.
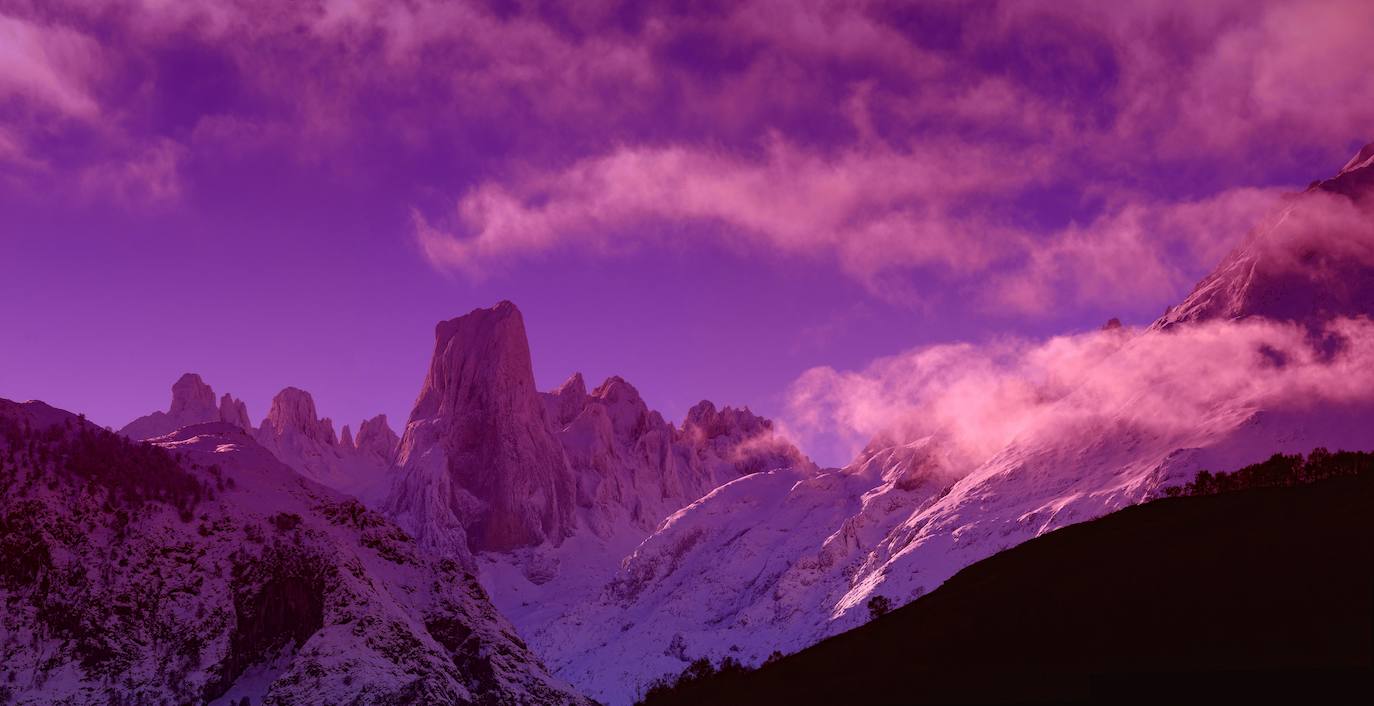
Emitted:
pixel 878 606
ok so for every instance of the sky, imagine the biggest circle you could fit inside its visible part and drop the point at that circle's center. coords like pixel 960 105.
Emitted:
pixel 712 200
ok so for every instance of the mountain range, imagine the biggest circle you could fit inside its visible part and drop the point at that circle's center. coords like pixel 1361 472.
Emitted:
pixel 513 545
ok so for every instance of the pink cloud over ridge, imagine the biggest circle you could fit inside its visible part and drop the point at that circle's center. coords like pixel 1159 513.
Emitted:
pixel 982 397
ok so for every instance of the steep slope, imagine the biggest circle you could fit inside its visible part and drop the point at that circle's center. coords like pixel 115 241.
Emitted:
pixel 202 569
pixel 1227 379
pixel 193 402
pixel 1308 263
pixel 1179 598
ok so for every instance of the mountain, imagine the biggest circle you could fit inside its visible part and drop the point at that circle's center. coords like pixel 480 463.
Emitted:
pixel 193 402
pixel 376 440
pixel 1310 262
pixel 546 493
pixel 200 568
pixel 1177 598
pixel 479 466
pixel 291 430
pixel 294 433
pixel 1273 352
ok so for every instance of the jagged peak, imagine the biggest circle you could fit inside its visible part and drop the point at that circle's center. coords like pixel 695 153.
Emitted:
pixel 575 385
pixel 482 354
pixel 376 436
pixel 293 410
pixel 190 395
pixel 233 411
pixel 1307 261
pixel 1362 158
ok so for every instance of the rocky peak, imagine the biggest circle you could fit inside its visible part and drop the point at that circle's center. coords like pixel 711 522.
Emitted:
pixel 628 413
pixel 566 402
pixel 293 411
pixel 375 437
pixel 191 397
pixel 1310 261
pixel 234 411
pixel 193 402
pixel 346 439
pixel 1362 159
pixel 705 421
pixel 478 458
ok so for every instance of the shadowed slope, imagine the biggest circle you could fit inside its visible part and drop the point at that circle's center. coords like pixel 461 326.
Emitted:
pixel 1259 595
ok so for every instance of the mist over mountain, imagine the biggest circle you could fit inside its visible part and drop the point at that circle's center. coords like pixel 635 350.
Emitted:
pixel 514 545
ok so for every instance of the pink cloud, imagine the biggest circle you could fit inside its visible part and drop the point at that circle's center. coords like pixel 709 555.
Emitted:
pixel 1136 248
pixel 49 66
pixel 827 130
pixel 873 209
pixel 1240 80
pixel 982 397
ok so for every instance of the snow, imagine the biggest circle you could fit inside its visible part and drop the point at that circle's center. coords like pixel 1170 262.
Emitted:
pixel 179 584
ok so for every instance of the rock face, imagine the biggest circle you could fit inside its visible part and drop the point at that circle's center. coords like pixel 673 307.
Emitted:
pixel 193 402
pixel 781 559
pixel 306 443
pixel 547 493
pixel 234 411
pixel 377 440
pixel 293 412
pixel 633 467
pixel 478 463
pixel 133 575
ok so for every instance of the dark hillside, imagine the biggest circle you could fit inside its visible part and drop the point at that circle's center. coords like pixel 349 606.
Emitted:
pixel 1264 594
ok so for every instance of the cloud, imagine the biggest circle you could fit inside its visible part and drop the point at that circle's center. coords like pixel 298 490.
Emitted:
pixel 982 397
pixel 873 209
pixel 1235 80
pixel 1137 247
pixel 151 175
pixel 911 144
pixel 49 67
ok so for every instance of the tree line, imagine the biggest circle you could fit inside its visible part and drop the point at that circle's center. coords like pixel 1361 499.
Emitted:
pixel 1279 471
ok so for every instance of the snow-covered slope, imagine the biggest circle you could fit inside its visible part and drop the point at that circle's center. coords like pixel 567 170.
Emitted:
pixel 202 569
pixel 1273 352
pixel 632 469
pixel 547 493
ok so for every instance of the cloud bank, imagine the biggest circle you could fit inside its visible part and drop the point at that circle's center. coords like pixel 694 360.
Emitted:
pixel 1024 153
pixel 981 398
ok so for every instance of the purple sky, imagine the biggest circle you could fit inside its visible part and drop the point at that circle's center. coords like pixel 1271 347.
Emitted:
pixel 707 203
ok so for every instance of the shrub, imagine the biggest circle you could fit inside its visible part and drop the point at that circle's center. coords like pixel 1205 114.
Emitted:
pixel 878 606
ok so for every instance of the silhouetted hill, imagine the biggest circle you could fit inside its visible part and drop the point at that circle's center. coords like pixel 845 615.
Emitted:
pixel 1259 595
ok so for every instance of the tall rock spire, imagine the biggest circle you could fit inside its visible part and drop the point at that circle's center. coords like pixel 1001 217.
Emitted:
pixel 234 411
pixel 480 468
